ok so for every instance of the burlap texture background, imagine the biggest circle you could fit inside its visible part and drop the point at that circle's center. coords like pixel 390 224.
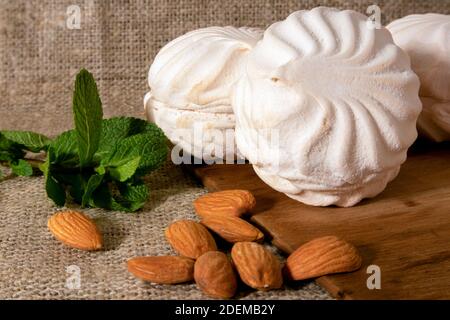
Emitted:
pixel 118 39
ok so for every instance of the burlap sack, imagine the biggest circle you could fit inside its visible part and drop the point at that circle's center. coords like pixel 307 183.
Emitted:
pixel 117 40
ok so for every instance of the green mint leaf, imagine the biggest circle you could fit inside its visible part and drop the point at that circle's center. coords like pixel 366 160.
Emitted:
pixel 54 189
pixel 153 151
pixel 154 130
pixel 88 114
pixel 28 140
pixel 45 167
pixel 21 168
pixel 121 154
pixel 118 128
pixel 132 197
pixel 93 183
pixel 9 150
pixel 100 170
pixel 150 148
pixel 117 147
pixel 9 156
pixel 101 197
pixel 65 149
pixel 5 144
pixel 75 183
pixel 120 207
pixel 126 170
pixel 134 194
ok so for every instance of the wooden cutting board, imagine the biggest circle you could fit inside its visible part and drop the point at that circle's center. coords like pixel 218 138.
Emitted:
pixel 405 230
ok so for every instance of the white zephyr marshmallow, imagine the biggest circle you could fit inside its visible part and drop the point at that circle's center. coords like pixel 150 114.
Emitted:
pixel 426 38
pixel 190 80
pixel 327 108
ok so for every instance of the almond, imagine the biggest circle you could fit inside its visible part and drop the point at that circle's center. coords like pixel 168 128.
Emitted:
pixel 215 276
pixel 162 269
pixel 190 238
pixel 322 256
pixel 75 229
pixel 227 202
pixel 233 229
pixel 257 266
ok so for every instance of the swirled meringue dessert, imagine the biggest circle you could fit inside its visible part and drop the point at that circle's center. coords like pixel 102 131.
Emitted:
pixel 327 107
pixel 190 80
pixel 426 38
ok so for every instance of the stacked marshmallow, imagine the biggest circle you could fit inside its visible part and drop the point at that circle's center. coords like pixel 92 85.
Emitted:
pixel 191 80
pixel 325 106
pixel 426 38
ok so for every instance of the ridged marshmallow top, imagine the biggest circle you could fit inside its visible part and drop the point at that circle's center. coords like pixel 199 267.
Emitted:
pixel 340 97
pixel 426 38
pixel 197 70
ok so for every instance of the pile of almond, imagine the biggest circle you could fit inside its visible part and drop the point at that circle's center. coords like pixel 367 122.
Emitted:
pixel 200 260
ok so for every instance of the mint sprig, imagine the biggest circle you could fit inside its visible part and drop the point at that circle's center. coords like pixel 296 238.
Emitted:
pixel 28 140
pixel 13 146
pixel 101 163
pixel 88 114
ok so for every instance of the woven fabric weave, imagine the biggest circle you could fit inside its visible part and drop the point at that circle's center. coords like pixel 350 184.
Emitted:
pixel 117 40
